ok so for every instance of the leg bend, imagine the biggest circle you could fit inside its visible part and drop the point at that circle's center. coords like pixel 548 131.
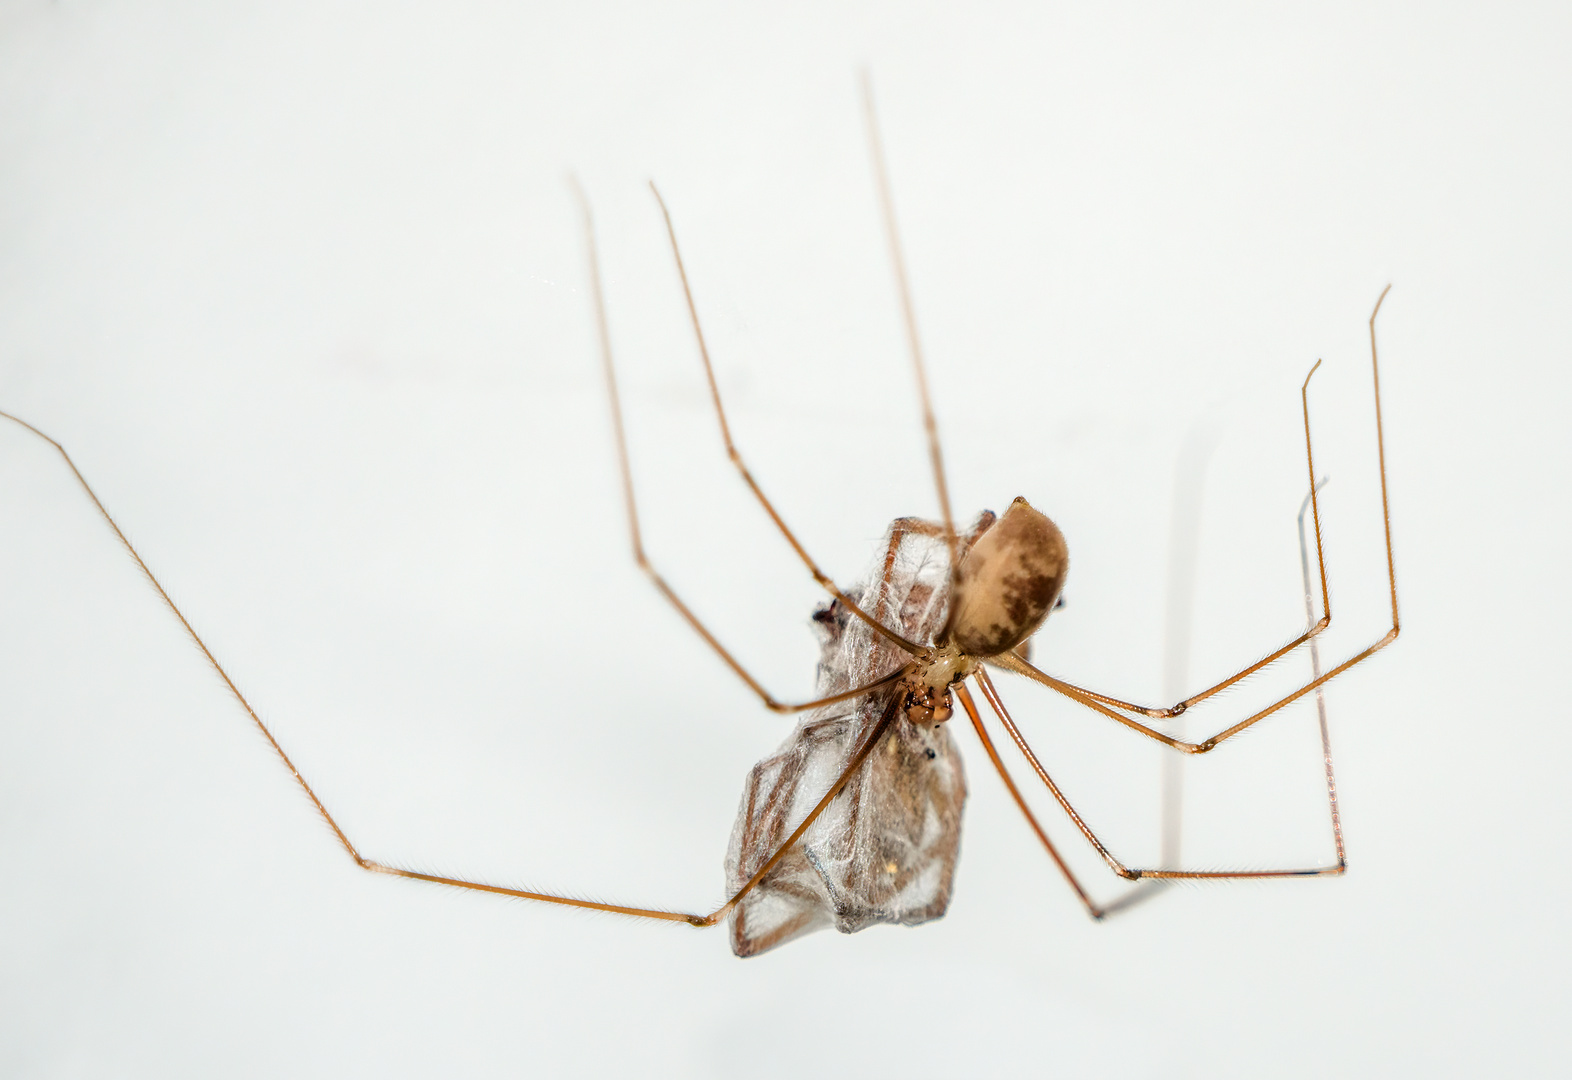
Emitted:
pixel 735 456
pixel 339 834
pixel 631 505
pixel 1119 867
pixel 1108 705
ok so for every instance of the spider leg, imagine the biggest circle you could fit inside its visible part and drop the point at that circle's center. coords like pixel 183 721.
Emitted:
pixel 720 913
pixel 1113 862
pixel 1093 909
pixel 639 556
pixel 343 838
pixel 876 733
pixel 909 318
pixel 736 457
pixel 1101 702
pixel 1310 632
pixel 378 867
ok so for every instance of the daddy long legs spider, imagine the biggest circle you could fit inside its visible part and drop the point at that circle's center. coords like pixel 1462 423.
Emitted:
pixel 855 820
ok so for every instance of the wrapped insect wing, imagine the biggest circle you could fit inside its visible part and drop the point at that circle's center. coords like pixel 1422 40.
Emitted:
pixel 884 850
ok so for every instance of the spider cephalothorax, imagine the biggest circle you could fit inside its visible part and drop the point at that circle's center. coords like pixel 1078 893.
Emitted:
pixel 1007 583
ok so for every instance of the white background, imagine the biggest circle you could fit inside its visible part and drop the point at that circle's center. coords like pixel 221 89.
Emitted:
pixel 302 288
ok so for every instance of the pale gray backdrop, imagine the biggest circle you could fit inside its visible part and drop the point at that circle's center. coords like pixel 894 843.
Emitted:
pixel 302 287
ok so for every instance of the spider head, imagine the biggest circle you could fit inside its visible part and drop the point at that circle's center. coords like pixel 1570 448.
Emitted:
pixel 925 688
pixel 925 704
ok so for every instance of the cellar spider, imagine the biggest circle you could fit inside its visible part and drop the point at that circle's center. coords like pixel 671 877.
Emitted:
pixel 856 819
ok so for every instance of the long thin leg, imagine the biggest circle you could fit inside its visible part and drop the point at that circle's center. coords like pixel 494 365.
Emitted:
pixel 1118 867
pixel 857 759
pixel 343 839
pixel 1099 702
pixel 736 458
pixel 1015 793
pixel 908 313
pixel 770 702
pixel 377 867
pixel 713 917
pixel 1310 632
pixel 1170 841
pixel 1123 903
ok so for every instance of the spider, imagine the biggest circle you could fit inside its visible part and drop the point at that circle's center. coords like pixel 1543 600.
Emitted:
pixel 856 819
